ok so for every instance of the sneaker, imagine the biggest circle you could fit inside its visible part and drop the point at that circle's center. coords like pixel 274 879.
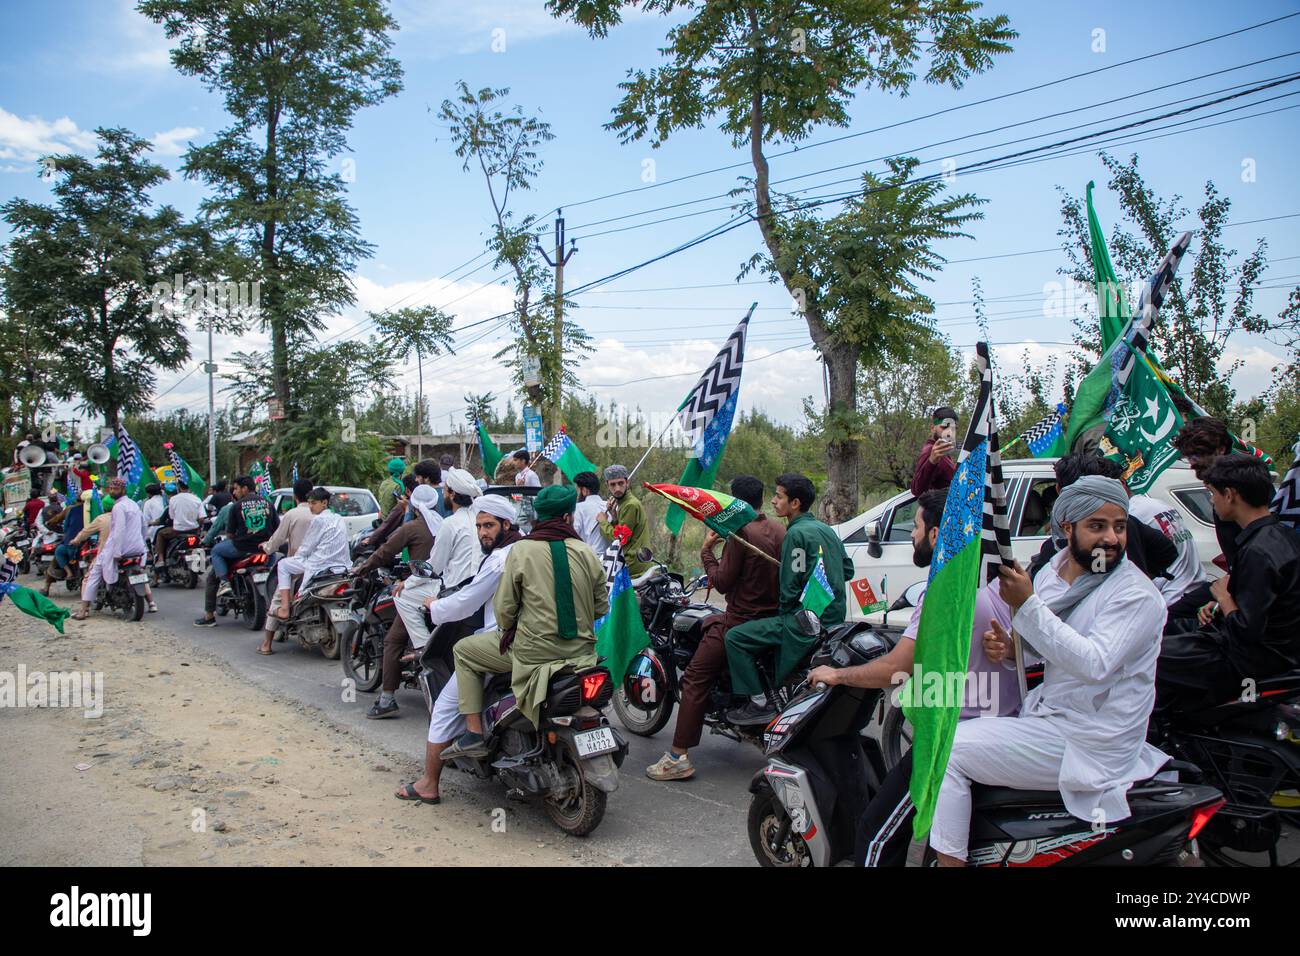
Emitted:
pixel 224 588
pixel 669 767
pixel 153 607
pixel 751 713
pixel 205 622
pixel 467 745
pixel 379 711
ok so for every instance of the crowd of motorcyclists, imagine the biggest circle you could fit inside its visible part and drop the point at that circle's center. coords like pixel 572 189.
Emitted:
pixel 512 581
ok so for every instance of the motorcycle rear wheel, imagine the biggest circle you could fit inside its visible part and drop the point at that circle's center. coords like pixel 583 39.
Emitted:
pixel 583 810
pixel 643 723
pixel 363 662
pixel 765 818
pixel 330 645
pixel 254 605
pixel 129 606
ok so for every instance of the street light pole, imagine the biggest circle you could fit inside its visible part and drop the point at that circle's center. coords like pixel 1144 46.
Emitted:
pixel 211 368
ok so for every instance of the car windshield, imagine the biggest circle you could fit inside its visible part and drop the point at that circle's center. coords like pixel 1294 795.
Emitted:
pixel 350 504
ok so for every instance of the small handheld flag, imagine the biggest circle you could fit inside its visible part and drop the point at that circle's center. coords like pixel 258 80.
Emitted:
pixel 817 593
pixel 566 455
pixel 1046 438
pixel 866 597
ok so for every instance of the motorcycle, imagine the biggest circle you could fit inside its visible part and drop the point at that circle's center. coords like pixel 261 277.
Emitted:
pixel 184 562
pixel 370 615
pixel 244 592
pixel 645 701
pixel 125 596
pixel 822 772
pixel 570 759
pixel 18 535
pixel 1249 748
pixel 320 606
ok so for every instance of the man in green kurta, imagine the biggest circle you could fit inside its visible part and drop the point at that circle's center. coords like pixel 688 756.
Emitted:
pixel 552 591
pixel 805 539
pixel 627 511
pixel 393 483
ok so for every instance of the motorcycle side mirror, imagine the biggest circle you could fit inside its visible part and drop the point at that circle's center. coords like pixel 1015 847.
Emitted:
pixel 873 538
pixel 422 569
pixel 808 622
pixel 375 523
pixel 910 597
pixel 644 554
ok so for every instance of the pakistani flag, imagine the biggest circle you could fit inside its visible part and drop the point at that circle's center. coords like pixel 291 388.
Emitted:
pixel 185 472
pixel 818 594
pixel 706 414
pixel 620 634
pixel 1141 418
pixel 721 513
pixel 566 455
pixel 974 532
pixel 487 450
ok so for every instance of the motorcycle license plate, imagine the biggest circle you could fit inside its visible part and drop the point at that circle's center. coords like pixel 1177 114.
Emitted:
pixel 592 743
pixel 138 578
pixel 260 576
pixel 340 615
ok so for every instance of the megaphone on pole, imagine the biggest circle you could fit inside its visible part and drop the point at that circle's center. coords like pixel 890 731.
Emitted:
pixel 98 453
pixel 33 456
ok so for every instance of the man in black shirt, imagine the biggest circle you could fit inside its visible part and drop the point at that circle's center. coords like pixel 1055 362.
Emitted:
pixel 1149 550
pixel 1254 632
pixel 252 520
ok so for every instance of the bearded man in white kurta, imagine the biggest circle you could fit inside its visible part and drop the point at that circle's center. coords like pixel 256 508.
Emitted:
pixel 1097 621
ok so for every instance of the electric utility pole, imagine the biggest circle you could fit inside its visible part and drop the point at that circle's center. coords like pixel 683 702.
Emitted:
pixel 561 260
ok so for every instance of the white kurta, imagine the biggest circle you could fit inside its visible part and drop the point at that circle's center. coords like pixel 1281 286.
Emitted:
pixel 456 552
pixel 1186 570
pixel 125 537
pixel 587 525
pixel 446 723
pixel 1083 730
pixel 324 546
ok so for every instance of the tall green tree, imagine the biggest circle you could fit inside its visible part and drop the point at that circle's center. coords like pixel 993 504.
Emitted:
pixel 293 74
pixel 778 70
pixel 503 144
pixel 420 330
pixel 1206 305
pixel 25 347
pixel 85 269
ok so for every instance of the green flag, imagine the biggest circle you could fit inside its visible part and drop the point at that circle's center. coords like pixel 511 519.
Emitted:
pixel 566 455
pixel 1141 427
pixel 488 451
pixel 1113 310
pixel 620 634
pixel 818 594
pixel 36 604
pixel 185 472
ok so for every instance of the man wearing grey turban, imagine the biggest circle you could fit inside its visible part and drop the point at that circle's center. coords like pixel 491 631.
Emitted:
pixel 1096 620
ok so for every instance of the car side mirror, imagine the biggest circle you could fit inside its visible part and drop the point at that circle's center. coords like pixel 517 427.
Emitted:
pixel 873 538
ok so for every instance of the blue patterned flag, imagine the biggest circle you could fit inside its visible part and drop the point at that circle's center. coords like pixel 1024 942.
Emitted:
pixel 706 415
pixel 1046 438
pixel 818 594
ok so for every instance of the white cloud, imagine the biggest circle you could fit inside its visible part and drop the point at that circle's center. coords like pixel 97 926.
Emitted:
pixel 27 140
pixel 137 44
pixel 174 141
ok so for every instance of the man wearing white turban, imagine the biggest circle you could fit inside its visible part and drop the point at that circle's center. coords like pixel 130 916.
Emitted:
pixel 1097 621
pixel 468 609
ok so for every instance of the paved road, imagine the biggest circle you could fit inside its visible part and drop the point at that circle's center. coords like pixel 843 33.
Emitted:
pixel 698 822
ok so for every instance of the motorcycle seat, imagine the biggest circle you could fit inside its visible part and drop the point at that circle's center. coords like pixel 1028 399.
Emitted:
pixel 986 798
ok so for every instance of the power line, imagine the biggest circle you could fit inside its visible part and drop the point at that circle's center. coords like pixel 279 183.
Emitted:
pixel 942 112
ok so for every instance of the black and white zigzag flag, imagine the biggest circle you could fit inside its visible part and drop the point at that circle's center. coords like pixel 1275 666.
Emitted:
pixel 719 381
pixel 1153 296
pixel 995 531
pixel 1286 503
pixel 125 454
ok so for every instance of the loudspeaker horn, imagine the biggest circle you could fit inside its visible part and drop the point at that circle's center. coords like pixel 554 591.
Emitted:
pixel 98 453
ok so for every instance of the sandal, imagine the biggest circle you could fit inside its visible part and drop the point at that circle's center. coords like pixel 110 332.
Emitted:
pixel 264 652
pixel 410 793
pixel 79 615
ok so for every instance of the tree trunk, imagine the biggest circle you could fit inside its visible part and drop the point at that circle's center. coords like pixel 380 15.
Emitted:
pixel 278 322
pixel 839 499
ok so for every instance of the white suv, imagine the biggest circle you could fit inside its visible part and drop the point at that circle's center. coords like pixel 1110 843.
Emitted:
pixel 357 506
pixel 1031 485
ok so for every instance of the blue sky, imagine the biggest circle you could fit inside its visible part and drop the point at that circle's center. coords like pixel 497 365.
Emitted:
pixel 68 67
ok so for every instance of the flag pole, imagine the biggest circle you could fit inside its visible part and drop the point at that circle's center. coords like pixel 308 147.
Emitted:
pixel 729 537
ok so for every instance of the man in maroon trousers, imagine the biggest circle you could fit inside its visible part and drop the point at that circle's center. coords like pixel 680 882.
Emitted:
pixel 752 588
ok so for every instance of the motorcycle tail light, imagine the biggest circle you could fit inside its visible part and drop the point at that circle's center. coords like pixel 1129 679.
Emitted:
pixel 191 542
pixel 342 588
pixel 593 684
pixel 1202 816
